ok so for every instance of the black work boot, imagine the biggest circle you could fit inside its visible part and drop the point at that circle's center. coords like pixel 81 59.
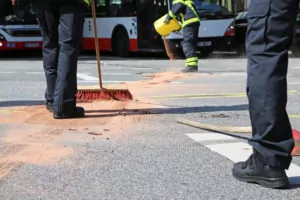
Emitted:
pixel 49 106
pixel 190 69
pixel 77 112
pixel 254 170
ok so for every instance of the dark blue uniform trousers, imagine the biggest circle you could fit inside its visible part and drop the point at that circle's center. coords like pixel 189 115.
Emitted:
pixel 189 42
pixel 269 36
pixel 62 28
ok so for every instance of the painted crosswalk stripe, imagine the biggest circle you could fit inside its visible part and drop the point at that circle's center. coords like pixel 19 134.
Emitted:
pixel 177 82
pixel 105 82
pixel 116 74
pixel 139 68
pixel 235 151
pixel 35 73
pixel 233 74
pixel 112 68
pixel 202 137
pixel 87 77
pixel 240 151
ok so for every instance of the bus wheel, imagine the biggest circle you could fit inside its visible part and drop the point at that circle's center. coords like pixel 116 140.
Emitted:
pixel 120 44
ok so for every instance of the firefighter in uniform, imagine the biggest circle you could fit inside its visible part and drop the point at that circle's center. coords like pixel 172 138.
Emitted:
pixel 269 37
pixel 61 23
pixel 186 12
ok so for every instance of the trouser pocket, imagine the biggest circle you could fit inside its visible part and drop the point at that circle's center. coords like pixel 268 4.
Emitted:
pixel 258 14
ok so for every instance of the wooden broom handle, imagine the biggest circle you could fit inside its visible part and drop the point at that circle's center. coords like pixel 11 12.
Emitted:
pixel 96 43
pixel 210 127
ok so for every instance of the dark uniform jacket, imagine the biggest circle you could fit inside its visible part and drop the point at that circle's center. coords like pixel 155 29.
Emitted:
pixel 185 11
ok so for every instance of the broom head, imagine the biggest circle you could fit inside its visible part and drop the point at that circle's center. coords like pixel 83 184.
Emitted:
pixel 296 136
pixel 103 94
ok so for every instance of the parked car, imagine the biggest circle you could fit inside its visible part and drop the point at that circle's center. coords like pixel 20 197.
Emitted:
pixel 241 29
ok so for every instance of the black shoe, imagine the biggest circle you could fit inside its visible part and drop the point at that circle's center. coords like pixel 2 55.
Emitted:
pixel 49 106
pixel 254 170
pixel 77 112
pixel 190 69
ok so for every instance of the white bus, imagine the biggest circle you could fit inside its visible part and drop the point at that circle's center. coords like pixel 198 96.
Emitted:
pixel 127 26
pixel 19 28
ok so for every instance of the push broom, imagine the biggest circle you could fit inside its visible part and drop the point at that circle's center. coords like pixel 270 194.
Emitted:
pixel 101 93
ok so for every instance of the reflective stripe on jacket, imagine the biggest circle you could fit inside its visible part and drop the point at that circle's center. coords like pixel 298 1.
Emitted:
pixel 86 2
pixel 185 10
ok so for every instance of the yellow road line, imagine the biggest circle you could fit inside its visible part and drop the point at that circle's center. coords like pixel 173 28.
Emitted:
pixel 294 116
pixel 198 96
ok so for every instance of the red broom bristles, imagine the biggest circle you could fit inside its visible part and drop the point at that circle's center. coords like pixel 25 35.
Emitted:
pixel 121 95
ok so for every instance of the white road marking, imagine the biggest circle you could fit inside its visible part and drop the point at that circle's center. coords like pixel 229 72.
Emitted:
pixel 176 82
pixel 139 68
pixel 87 77
pixel 7 72
pixel 201 137
pixel 112 68
pixel 233 74
pixel 240 151
pixel 96 81
pixel 235 151
pixel 294 173
pixel 35 73
pixel 118 74
pixel 297 83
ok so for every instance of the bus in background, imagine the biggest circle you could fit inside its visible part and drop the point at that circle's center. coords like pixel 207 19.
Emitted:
pixel 127 26
pixel 19 29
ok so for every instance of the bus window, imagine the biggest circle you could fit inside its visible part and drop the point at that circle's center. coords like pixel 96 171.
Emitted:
pixel 114 8
pixel 17 12
pixel 148 12
pixel 128 8
pixel 160 8
pixel 101 8
pixel 19 29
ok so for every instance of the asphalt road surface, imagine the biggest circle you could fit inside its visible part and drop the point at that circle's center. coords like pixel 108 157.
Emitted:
pixel 150 157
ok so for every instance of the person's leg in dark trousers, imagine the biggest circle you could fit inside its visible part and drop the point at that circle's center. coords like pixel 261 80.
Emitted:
pixel 270 32
pixel 62 27
pixel 48 17
pixel 189 45
pixel 70 32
